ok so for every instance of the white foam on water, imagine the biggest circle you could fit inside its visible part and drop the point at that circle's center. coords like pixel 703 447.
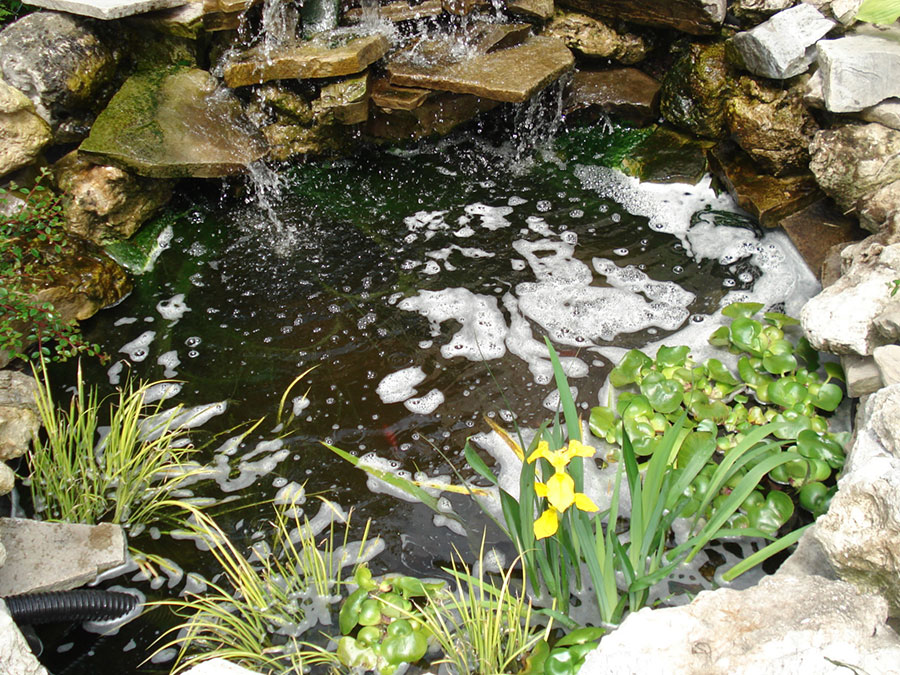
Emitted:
pixel 574 312
pixel 521 342
pixel 173 309
pixel 169 361
pixel 630 278
pixel 299 404
pixel 425 405
pixel 492 217
pixel 401 385
pixel 483 332
pixel 115 372
pixel 137 349
pixel 161 391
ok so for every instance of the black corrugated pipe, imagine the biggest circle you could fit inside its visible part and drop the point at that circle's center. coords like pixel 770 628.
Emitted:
pixel 85 604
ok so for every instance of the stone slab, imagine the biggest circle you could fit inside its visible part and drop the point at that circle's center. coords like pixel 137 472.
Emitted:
pixel 625 93
pixel 312 59
pixel 534 9
pixel 815 229
pixel 863 376
pixel 107 9
pixel 768 198
pixel 385 95
pixel 507 75
pixel 56 556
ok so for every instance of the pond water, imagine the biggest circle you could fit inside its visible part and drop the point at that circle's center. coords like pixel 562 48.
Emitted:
pixel 420 284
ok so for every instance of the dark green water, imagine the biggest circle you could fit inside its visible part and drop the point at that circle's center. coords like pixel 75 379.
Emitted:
pixel 341 282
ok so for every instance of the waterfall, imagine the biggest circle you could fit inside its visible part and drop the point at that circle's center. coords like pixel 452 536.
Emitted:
pixel 280 20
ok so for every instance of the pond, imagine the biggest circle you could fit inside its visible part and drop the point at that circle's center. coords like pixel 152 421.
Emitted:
pixel 419 284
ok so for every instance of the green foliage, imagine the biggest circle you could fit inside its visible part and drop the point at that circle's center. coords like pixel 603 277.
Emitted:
pixel 126 476
pixel 31 241
pixel 480 627
pixel 387 629
pixel 250 616
pixel 879 11
pixel 10 10
pixel 779 386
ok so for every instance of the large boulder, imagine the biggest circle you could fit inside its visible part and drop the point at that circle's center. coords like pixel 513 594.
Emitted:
pixel 23 132
pixel 785 624
pixel 174 124
pixel 19 419
pixel 697 17
pixel 104 202
pixel 860 533
pixel 785 45
pixel 772 125
pixel 62 63
pixel 695 90
pixel 853 162
pixel 841 319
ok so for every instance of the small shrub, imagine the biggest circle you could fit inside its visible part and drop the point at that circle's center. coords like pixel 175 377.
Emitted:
pixel 31 241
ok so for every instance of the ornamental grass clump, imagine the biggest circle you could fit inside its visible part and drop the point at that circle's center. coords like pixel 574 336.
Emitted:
pixel 256 613
pixel 116 459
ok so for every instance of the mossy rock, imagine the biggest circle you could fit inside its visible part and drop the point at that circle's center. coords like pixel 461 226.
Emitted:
pixel 696 89
pixel 174 123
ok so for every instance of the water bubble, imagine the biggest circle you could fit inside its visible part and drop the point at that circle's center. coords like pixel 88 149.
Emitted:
pixel 543 206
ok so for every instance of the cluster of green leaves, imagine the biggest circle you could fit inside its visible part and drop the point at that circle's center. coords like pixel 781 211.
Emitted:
pixel 10 10
pixel 879 11
pixel 387 631
pixel 640 555
pixel 567 655
pixel 778 388
pixel 475 624
pixel 31 241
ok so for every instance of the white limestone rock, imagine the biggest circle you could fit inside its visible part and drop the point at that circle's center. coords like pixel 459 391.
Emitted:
pixel 858 71
pixel 887 113
pixel 887 358
pixel 15 656
pixel 785 624
pixel 783 46
pixel 854 161
pixel 860 533
pixel 841 319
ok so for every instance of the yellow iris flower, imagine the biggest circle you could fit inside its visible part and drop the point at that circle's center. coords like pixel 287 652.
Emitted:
pixel 559 490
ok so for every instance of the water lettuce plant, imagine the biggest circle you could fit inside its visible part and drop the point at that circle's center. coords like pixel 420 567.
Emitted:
pixel 779 386
pixel 560 550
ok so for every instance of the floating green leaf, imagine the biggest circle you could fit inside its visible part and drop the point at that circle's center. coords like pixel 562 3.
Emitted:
pixel 663 394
